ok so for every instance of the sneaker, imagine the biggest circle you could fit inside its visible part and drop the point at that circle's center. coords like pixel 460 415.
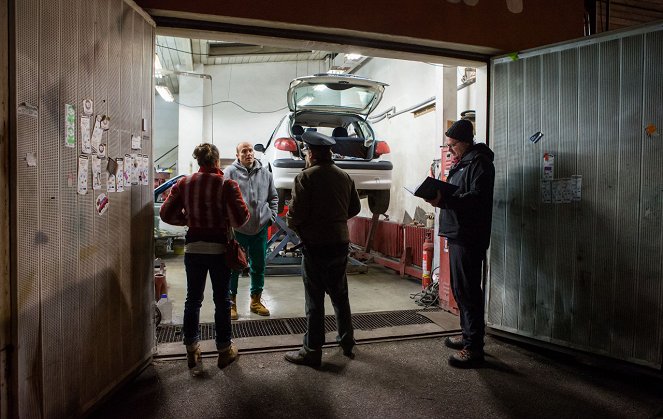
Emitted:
pixel 302 357
pixel 194 358
pixel 227 356
pixel 454 342
pixel 466 358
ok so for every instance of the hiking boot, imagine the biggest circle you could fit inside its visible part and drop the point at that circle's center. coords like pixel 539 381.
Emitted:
pixel 257 306
pixel 233 307
pixel 466 358
pixel 227 355
pixel 194 358
pixel 302 357
pixel 454 342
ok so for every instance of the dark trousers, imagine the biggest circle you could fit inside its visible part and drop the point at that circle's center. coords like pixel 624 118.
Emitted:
pixel 465 263
pixel 324 271
pixel 197 266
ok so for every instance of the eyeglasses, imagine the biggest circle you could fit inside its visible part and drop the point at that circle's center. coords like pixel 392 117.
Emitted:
pixel 450 145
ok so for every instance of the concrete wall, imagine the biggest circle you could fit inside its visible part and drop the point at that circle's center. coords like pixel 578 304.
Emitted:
pixel 166 131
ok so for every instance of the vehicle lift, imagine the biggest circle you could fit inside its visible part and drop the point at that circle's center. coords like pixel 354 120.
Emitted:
pixel 284 260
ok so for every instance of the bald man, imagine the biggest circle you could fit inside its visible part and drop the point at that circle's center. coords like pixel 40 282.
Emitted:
pixel 257 187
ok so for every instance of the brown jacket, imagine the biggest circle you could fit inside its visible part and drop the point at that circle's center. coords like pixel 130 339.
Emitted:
pixel 323 199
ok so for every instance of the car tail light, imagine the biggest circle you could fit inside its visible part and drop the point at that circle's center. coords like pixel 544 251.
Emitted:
pixel 286 144
pixel 381 147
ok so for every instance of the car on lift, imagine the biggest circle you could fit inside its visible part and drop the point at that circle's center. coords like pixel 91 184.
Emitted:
pixel 337 105
pixel 162 229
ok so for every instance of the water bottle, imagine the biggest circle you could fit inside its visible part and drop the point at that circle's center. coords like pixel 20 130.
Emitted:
pixel 166 308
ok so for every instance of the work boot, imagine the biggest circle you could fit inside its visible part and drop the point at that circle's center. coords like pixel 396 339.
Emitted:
pixel 227 355
pixel 466 358
pixel 303 357
pixel 233 307
pixel 454 342
pixel 194 358
pixel 257 306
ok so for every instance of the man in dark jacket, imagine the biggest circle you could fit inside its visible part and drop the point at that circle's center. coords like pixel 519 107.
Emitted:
pixel 465 220
pixel 323 199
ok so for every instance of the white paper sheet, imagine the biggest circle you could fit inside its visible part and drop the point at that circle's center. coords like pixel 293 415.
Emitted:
pixel 82 174
pixel 69 126
pixel 86 145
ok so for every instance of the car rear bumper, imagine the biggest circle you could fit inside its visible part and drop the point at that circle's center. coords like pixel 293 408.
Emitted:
pixel 375 175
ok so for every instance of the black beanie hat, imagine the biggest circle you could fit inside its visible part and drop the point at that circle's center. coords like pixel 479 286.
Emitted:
pixel 461 130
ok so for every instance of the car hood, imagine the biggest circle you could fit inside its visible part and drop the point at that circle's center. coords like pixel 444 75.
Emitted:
pixel 335 93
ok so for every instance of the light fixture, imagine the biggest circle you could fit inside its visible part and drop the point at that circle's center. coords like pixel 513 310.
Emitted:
pixel 304 100
pixel 164 92
pixel 319 87
pixel 354 57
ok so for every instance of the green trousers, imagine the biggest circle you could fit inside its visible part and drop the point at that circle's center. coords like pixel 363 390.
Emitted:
pixel 256 251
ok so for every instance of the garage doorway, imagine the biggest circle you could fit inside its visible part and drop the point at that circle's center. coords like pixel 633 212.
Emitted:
pixel 228 90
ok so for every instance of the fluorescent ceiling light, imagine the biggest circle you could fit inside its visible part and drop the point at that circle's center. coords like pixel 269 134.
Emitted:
pixel 353 57
pixel 319 87
pixel 304 100
pixel 157 67
pixel 165 93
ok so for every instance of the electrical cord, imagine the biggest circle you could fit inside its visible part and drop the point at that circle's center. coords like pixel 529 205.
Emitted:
pixel 229 101
pixel 430 295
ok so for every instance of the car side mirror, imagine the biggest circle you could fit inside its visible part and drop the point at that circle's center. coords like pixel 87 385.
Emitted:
pixel 259 147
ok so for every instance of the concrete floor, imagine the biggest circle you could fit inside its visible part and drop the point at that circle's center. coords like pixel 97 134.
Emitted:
pixel 403 379
pixel 381 289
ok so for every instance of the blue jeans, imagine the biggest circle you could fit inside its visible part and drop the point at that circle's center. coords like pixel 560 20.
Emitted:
pixel 256 251
pixel 324 271
pixel 197 266
pixel 465 263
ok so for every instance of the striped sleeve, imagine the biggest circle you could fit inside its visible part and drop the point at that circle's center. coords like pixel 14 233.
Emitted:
pixel 238 213
pixel 172 210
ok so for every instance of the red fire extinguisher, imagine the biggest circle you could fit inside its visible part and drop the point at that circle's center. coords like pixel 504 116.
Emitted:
pixel 427 261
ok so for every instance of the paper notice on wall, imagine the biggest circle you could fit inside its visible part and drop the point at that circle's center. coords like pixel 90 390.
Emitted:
pixel 31 159
pixel 135 161
pixel 96 173
pixel 548 166
pixel 558 186
pixel 546 191
pixel 97 134
pixel 102 204
pixel 119 175
pixel 69 126
pixel 86 145
pixel 568 190
pixel 82 174
pixel 577 188
pixel 135 142
pixel 128 169
pixel 88 106
pixel 110 183
pixel 146 170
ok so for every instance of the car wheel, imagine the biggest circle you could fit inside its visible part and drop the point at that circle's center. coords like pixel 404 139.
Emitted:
pixel 378 201
pixel 284 195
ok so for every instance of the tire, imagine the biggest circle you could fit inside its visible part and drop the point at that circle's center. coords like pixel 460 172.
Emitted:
pixel 378 201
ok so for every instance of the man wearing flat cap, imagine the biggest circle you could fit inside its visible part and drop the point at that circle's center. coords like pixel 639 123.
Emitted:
pixel 324 197
pixel 465 220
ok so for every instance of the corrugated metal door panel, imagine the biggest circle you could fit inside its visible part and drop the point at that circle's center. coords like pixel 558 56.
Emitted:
pixel 86 210
pixel 606 199
pixel 548 234
pixel 531 162
pixel 499 132
pixel 27 206
pixel 102 297
pixel 48 164
pixel 125 200
pixel 565 167
pixel 628 189
pixel 71 305
pixel 650 247
pixel 116 218
pixel 588 143
pixel 514 189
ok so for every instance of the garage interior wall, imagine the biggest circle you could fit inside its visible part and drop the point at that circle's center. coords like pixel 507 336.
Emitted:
pixel 83 281
pixel 587 274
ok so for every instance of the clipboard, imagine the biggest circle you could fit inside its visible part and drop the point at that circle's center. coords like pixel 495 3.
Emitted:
pixel 429 187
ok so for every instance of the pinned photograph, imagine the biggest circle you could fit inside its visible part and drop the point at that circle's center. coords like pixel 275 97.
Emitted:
pixel 104 123
pixel 135 142
pixel 102 150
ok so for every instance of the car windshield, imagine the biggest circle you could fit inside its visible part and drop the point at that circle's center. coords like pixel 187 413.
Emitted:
pixel 334 95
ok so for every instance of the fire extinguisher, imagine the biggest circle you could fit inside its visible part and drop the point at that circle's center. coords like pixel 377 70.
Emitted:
pixel 427 261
